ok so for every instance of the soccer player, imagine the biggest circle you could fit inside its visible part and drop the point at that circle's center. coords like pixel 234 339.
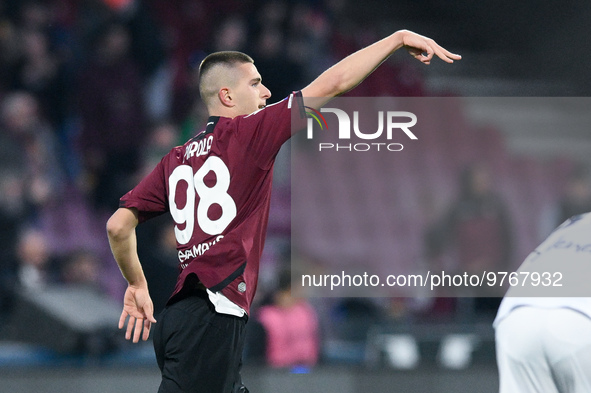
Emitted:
pixel 544 343
pixel 217 189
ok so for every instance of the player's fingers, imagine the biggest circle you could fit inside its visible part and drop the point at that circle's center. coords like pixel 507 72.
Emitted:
pixel 428 54
pixel 147 325
pixel 417 54
pixel 424 54
pixel 139 323
pixel 149 312
pixel 449 54
pixel 446 55
pixel 413 51
pixel 453 56
pixel 130 324
pixel 122 319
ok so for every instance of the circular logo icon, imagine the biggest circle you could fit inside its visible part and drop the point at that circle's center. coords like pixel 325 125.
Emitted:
pixel 242 287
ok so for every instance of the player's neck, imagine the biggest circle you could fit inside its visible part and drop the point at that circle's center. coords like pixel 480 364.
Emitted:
pixel 223 111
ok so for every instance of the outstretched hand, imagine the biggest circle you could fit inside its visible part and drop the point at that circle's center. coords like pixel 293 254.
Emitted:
pixel 138 306
pixel 423 48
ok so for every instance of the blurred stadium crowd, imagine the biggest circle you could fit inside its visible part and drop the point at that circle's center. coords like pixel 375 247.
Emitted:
pixel 93 93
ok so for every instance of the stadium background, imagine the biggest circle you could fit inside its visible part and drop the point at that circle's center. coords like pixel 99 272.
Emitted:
pixel 93 92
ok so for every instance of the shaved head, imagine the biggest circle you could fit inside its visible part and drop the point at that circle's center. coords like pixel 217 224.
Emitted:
pixel 219 70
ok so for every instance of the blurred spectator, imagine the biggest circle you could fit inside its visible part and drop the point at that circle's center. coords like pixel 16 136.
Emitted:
pixel 188 28
pixel 35 262
pixel 29 147
pixel 195 118
pixel 282 75
pixel 232 34
pixel 34 14
pixel 163 136
pixel 148 52
pixel 112 116
pixel 291 328
pixel 146 47
pixel 81 268
pixel 187 104
pixel 40 72
pixel 575 199
pixel 477 228
pixel 307 43
pixel 9 48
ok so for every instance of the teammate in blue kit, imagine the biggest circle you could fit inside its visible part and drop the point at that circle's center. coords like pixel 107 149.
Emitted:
pixel 217 189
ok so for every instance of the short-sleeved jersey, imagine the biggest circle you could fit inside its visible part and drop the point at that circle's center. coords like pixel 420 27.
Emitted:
pixel 217 188
pixel 569 249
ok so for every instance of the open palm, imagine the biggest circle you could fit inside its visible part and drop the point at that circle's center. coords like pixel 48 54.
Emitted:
pixel 138 306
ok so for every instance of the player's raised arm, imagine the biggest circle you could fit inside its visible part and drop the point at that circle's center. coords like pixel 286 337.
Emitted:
pixel 137 304
pixel 353 69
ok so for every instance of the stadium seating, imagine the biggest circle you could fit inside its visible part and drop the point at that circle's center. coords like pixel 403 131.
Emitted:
pixel 371 210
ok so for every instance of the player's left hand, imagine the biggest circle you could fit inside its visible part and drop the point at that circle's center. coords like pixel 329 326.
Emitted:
pixel 423 48
pixel 138 306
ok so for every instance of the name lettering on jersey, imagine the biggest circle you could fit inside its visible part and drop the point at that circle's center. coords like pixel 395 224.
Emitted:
pixel 195 251
pixel 198 148
pixel 562 244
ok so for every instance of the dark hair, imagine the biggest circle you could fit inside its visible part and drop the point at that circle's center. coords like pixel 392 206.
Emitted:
pixel 224 57
pixel 228 58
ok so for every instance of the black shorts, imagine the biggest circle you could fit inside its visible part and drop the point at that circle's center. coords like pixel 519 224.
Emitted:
pixel 198 349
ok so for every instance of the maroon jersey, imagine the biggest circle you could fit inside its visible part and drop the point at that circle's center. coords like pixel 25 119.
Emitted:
pixel 217 188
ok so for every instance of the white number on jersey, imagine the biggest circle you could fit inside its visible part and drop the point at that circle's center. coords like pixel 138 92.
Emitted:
pixel 208 196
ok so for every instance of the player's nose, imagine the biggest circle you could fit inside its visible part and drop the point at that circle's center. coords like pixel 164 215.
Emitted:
pixel 265 93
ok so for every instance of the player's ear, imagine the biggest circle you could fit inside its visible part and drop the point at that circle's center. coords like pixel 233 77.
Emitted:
pixel 225 97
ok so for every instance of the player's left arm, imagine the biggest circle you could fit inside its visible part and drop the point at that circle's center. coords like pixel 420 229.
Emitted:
pixel 353 69
pixel 137 304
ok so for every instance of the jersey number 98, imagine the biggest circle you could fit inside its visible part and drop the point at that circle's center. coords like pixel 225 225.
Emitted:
pixel 208 196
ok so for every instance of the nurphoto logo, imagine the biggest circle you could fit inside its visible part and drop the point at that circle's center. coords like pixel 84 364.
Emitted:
pixel 390 123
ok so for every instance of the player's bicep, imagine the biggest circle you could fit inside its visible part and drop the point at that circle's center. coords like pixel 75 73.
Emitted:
pixel 316 94
pixel 122 222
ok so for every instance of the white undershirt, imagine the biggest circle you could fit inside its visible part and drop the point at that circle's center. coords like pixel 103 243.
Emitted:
pixel 223 305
